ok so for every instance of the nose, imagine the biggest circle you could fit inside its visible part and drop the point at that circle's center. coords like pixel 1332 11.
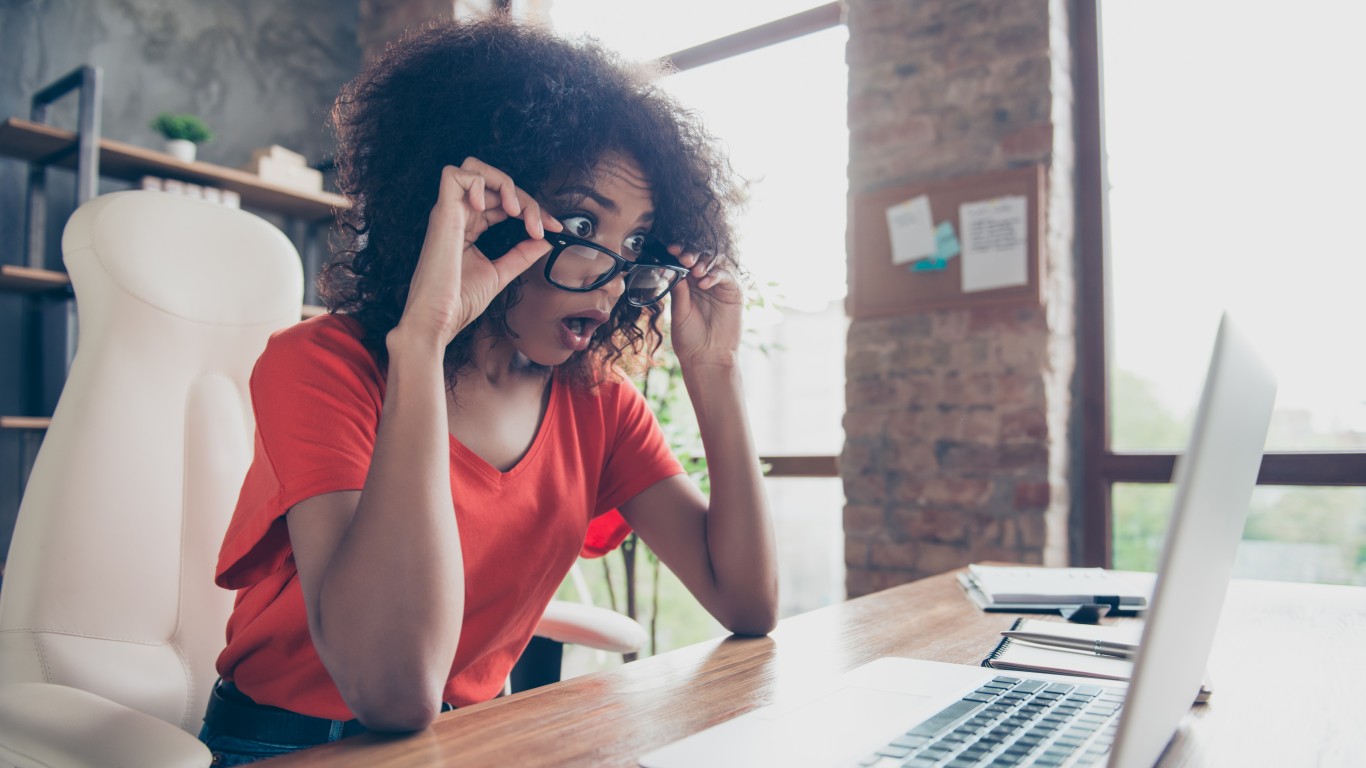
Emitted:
pixel 615 287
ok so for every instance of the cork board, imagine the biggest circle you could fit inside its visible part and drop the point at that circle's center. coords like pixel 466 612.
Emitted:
pixel 878 287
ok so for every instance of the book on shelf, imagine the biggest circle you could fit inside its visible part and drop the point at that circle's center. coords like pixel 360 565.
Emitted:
pixel 186 189
pixel 1031 588
pixel 1016 655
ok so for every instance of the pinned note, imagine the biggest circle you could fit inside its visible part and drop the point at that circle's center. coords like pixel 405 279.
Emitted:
pixel 945 247
pixel 911 228
pixel 995 253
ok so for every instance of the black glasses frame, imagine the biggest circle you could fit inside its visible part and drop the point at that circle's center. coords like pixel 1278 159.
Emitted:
pixel 654 254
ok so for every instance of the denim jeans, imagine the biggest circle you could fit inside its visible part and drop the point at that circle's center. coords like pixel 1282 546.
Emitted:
pixel 229 750
pixel 239 731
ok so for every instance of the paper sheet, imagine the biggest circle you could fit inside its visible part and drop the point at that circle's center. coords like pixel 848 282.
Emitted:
pixel 911 227
pixel 995 252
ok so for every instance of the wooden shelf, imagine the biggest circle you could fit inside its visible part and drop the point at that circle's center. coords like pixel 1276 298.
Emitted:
pixel 30 280
pixel 39 143
pixel 24 422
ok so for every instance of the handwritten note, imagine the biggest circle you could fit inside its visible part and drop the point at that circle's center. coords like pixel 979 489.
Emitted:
pixel 911 227
pixel 995 252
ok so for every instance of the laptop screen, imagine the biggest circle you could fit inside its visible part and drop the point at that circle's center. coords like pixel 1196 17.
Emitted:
pixel 1214 483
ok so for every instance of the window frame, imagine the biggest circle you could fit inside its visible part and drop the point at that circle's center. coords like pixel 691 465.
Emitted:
pixel 1101 466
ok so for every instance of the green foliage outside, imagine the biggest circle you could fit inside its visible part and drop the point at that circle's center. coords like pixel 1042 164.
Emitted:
pixel 187 127
pixel 1141 513
pixel 1293 533
pixel 1139 421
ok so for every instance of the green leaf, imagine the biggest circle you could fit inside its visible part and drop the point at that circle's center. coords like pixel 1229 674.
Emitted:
pixel 182 126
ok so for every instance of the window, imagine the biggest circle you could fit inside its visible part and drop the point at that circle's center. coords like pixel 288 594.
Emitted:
pixel 787 136
pixel 1230 175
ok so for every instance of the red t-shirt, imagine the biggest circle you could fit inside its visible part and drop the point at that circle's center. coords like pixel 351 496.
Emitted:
pixel 317 394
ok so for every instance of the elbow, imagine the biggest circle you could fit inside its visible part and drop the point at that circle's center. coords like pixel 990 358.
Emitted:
pixel 755 620
pixel 753 626
pixel 395 710
pixel 401 717
pixel 396 690
pixel 397 697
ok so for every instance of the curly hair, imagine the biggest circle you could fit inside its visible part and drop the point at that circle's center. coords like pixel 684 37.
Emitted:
pixel 538 107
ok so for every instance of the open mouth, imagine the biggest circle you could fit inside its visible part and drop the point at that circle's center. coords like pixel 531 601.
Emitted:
pixel 576 331
pixel 584 324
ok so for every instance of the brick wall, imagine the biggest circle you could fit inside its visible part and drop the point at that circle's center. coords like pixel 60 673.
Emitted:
pixel 957 421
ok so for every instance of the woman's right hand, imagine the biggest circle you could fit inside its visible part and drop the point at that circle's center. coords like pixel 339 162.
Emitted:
pixel 454 283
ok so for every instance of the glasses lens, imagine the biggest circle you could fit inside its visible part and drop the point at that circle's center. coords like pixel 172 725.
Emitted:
pixel 579 266
pixel 649 284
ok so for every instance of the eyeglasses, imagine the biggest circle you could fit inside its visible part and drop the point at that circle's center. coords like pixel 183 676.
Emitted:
pixel 580 265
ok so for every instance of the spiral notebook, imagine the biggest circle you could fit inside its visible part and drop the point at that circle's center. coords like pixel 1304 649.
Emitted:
pixel 1014 655
pixel 1024 656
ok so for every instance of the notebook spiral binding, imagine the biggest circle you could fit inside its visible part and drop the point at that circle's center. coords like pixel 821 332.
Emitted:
pixel 1001 646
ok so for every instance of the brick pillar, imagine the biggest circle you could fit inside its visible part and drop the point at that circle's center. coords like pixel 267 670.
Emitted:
pixel 957 421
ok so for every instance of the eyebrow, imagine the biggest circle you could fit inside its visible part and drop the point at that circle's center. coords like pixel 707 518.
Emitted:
pixel 578 192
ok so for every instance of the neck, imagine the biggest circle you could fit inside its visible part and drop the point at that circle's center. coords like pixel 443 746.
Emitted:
pixel 495 361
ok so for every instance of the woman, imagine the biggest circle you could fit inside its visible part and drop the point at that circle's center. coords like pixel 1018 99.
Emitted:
pixel 432 455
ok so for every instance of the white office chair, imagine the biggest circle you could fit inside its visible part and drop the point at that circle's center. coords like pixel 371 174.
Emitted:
pixel 109 618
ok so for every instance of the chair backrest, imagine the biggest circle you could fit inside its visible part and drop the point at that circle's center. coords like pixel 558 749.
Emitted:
pixel 109 581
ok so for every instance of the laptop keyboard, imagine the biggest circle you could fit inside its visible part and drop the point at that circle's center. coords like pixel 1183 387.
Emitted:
pixel 1009 721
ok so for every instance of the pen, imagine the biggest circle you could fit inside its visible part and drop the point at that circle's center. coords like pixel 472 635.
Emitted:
pixel 1098 647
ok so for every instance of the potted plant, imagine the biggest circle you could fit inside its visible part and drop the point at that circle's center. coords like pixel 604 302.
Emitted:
pixel 182 133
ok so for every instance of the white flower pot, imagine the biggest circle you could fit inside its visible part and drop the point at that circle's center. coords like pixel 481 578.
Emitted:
pixel 181 149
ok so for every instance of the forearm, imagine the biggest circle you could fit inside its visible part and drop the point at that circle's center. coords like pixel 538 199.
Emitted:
pixel 391 598
pixel 739 526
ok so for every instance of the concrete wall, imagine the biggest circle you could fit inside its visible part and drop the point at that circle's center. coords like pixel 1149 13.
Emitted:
pixel 259 72
pixel 957 421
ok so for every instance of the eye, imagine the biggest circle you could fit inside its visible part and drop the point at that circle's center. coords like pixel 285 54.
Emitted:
pixel 579 226
pixel 635 243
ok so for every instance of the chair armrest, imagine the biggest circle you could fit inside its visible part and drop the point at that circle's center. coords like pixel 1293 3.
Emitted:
pixel 44 725
pixel 591 626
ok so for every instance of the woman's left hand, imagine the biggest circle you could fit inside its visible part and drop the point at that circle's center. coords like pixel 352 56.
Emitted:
pixel 706 310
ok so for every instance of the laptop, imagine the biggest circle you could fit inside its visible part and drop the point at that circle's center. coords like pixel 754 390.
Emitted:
pixel 908 712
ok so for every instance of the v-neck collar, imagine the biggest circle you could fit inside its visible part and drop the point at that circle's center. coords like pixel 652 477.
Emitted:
pixel 479 464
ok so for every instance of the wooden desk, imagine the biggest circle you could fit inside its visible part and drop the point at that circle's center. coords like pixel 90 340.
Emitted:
pixel 1299 641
